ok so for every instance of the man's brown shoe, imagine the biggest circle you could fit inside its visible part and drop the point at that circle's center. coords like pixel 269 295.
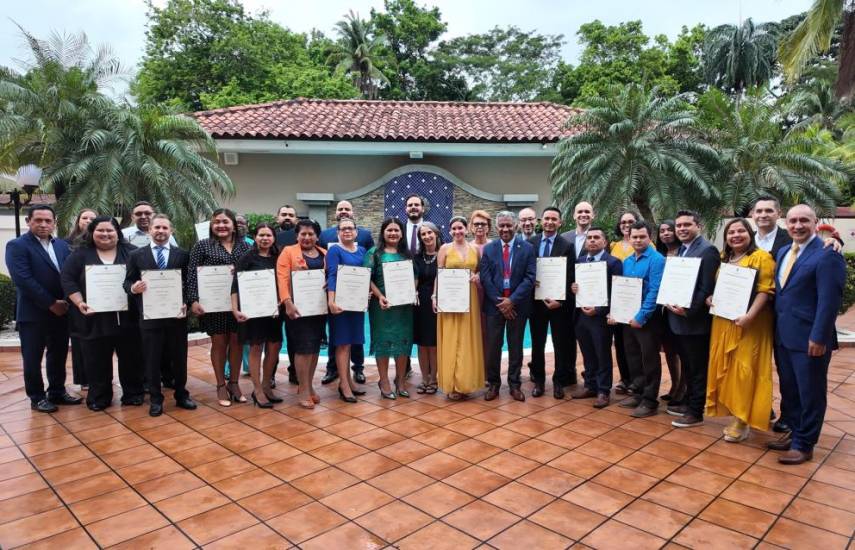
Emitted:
pixel 517 394
pixel 602 401
pixel 781 444
pixel 537 391
pixel 795 456
pixel 492 393
pixel 583 393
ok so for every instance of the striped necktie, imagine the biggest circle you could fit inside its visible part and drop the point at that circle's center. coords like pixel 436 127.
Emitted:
pixel 161 259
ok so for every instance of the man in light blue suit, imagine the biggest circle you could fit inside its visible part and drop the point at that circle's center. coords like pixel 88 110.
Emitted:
pixel 808 292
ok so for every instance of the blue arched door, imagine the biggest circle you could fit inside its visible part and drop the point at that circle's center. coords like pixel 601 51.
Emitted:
pixel 437 191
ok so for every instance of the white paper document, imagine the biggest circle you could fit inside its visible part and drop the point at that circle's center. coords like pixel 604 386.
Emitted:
pixel 593 285
pixel 215 287
pixel 257 293
pixel 163 296
pixel 732 294
pixel 104 288
pixel 352 287
pixel 309 292
pixel 202 230
pixel 626 298
pixel 678 281
pixel 452 290
pixel 399 282
pixel 551 279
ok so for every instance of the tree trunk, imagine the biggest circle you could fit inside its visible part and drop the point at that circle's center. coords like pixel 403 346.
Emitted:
pixel 645 211
pixel 845 85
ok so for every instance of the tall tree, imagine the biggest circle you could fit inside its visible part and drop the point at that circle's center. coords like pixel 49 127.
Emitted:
pixel 813 101
pixel 637 149
pixel 814 35
pixel 738 57
pixel 359 54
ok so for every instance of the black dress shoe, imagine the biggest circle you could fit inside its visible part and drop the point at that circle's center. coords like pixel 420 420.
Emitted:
pixel 95 407
pixel 155 409
pixel 558 392
pixel 66 399
pixel 781 427
pixel 359 377
pixel 329 377
pixel 43 406
pixel 537 391
pixel 186 403
pixel 782 444
pixel 492 393
pixel 517 394
pixel 133 401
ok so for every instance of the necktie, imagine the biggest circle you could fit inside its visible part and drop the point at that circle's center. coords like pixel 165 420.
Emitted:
pixel 506 264
pixel 683 250
pixel 161 259
pixel 414 240
pixel 547 247
pixel 785 273
pixel 590 259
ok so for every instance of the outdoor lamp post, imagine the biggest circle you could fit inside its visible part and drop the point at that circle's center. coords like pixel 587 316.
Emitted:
pixel 26 180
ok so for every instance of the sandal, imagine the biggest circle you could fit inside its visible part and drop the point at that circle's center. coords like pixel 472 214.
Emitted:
pixel 223 402
pixel 455 396
pixel 422 388
pixel 234 392
pixel 307 404
pixel 431 388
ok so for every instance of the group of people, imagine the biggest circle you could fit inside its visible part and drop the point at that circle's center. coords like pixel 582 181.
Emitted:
pixel 718 367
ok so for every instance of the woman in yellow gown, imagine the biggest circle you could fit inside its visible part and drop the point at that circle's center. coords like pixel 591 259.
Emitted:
pixel 460 354
pixel 739 381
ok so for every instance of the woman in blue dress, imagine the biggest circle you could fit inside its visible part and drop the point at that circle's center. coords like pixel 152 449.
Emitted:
pixel 346 327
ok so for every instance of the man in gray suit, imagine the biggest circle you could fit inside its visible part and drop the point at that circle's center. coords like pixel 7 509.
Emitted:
pixel 692 325
pixel 583 215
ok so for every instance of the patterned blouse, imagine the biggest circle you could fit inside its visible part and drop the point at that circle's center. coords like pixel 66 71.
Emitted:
pixel 211 252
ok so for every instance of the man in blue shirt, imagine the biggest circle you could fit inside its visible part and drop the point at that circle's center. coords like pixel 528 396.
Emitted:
pixel 641 337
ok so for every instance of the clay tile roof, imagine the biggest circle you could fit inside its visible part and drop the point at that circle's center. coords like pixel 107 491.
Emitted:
pixel 416 121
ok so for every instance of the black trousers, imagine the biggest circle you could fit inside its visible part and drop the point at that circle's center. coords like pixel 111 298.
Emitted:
pixel 49 340
pixel 497 327
pixel 645 365
pixel 78 371
pixel 563 343
pixel 595 338
pixel 620 354
pixel 694 352
pixel 99 366
pixel 166 348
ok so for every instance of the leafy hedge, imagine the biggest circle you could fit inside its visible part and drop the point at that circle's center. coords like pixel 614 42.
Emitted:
pixel 849 287
pixel 253 219
pixel 7 300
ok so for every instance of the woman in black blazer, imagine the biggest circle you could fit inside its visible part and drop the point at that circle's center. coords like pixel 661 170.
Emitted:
pixel 103 334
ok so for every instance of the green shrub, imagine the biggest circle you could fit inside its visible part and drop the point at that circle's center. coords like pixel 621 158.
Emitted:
pixel 849 287
pixel 7 300
pixel 253 219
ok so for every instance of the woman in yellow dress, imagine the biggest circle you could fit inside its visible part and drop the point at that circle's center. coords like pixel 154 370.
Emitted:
pixel 460 354
pixel 740 368
pixel 622 249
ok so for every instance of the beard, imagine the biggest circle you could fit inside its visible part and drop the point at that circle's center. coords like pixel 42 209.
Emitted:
pixel 286 225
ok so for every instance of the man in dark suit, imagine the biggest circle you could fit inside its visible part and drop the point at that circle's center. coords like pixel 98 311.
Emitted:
pixel 592 328
pixel 583 216
pixel 34 261
pixel 163 340
pixel 691 326
pixel 286 219
pixel 808 292
pixel 508 270
pixel 364 239
pixel 558 315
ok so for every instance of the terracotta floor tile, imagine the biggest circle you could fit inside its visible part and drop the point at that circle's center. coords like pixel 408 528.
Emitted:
pixel 670 450
pixel 538 450
pixel 394 521
pixel 296 466
pixel 175 445
pixel 383 417
pixel 104 432
pixel 107 505
pixel 440 438
pixel 481 519
pixel 738 517
pixel 247 442
pixel 718 464
pixel 598 498
pixel 496 417
pixel 579 464
pixel 568 519
pixel 472 450
pixel 28 504
pixel 324 482
pixel 377 438
pixel 168 486
pixel 792 534
pixel 131 456
pixel 36 527
pixel 476 481
pixel 348 535
pixel 551 480
pixel 324 419
pixel 626 480
pixel 89 487
pixel 469 427
pixel 406 451
pixel 45 432
pixel 126 526
pixel 217 523
pixel 702 480
pixel 518 499
pixel 438 499
pixel 627 438
pixel 223 468
pixel 247 483
pixel 604 450
pixel 368 465
pixel 701 534
pixel 529 427
pixel 745 453
pixel 165 537
pixel 441 417
pixel 275 501
pixel 116 444
pixel 502 437
pixel 439 465
pixel 438 536
pixel 677 497
pixel 257 537
pixel 58 458
pixel 15 468
pixel 21 485
pixel 350 428
pixel 191 503
pixel 836 476
pixel 773 479
pixel 337 452
pixel 763 498
pixel 689 438
pixel 826 494
pixel 821 515
pixel 657 520
pixel 77 539
pixel 588 427
pixel 401 481
pixel 49 445
pixel 306 522
pixel 150 469
pixel 648 464
pixel 73 472
pixel 356 500
pixel 614 535
pixel 204 454
pixel 509 464
pixel 312 440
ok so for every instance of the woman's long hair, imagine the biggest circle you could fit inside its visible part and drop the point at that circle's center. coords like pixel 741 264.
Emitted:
pixel 381 240
pixel 727 251
pixel 90 242
pixel 230 215
pixel 76 234
pixel 661 247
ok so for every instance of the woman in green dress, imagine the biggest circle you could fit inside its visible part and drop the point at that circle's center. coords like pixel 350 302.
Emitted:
pixel 391 327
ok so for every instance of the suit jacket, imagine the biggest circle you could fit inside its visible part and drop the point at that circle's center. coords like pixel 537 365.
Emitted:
pixel 782 239
pixel 330 235
pixel 613 267
pixel 698 319
pixel 523 272
pixel 37 280
pixel 560 247
pixel 570 236
pixel 142 259
pixel 807 305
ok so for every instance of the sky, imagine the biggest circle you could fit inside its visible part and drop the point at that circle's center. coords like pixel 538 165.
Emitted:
pixel 121 23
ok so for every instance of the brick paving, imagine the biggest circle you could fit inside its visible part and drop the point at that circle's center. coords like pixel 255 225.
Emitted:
pixel 411 473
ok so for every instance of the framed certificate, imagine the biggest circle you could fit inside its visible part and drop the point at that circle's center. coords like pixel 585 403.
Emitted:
pixel 257 293
pixel 352 287
pixel 591 277
pixel 452 290
pixel 215 287
pixel 399 282
pixel 626 298
pixel 163 296
pixel 678 281
pixel 104 288
pixel 551 279
pixel 733 288
pixel 309 292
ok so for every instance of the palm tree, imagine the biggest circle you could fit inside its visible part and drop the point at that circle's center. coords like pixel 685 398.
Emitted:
pixel 358 53
pixel 813 36
pixel 814 102
pixel 736 58
pixel 638 150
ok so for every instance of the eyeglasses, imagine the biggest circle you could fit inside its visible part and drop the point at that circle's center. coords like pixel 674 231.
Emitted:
pixel 479 224
pixel 347 229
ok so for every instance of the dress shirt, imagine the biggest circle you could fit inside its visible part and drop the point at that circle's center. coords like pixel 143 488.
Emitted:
pixel 580 241
pixel 597 257
pixel 409 228
pixel 649 267
pixel 684 247
pixel 47 244
pixel 543 240
pixel 140 238
pixel 165 251
pixel 785 260
pixel 766 242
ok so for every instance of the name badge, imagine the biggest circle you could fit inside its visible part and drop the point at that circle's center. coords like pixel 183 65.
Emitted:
pixel 506 284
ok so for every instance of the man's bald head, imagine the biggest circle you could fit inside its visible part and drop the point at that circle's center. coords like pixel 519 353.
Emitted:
pixel 343 210
pixel 583 215
pixel 528 221
pixel 801 223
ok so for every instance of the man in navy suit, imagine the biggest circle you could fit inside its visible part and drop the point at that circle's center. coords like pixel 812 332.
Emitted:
pixel 34 261
pixel 808 292
pixel 508 270
pixel 592 329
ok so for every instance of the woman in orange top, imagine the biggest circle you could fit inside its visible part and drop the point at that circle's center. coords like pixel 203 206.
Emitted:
pixel 306 332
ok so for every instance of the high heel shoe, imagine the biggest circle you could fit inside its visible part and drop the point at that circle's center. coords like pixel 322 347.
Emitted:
pixel 357 392
pixel 273 398
pixel 402 393
pixel 316 398
pixel 390 395
pixel 223 402
pixel 235 393
pixel 260 405
pixel 345 398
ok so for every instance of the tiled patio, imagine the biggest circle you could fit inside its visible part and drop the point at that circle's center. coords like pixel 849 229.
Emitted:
pixel 417 473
